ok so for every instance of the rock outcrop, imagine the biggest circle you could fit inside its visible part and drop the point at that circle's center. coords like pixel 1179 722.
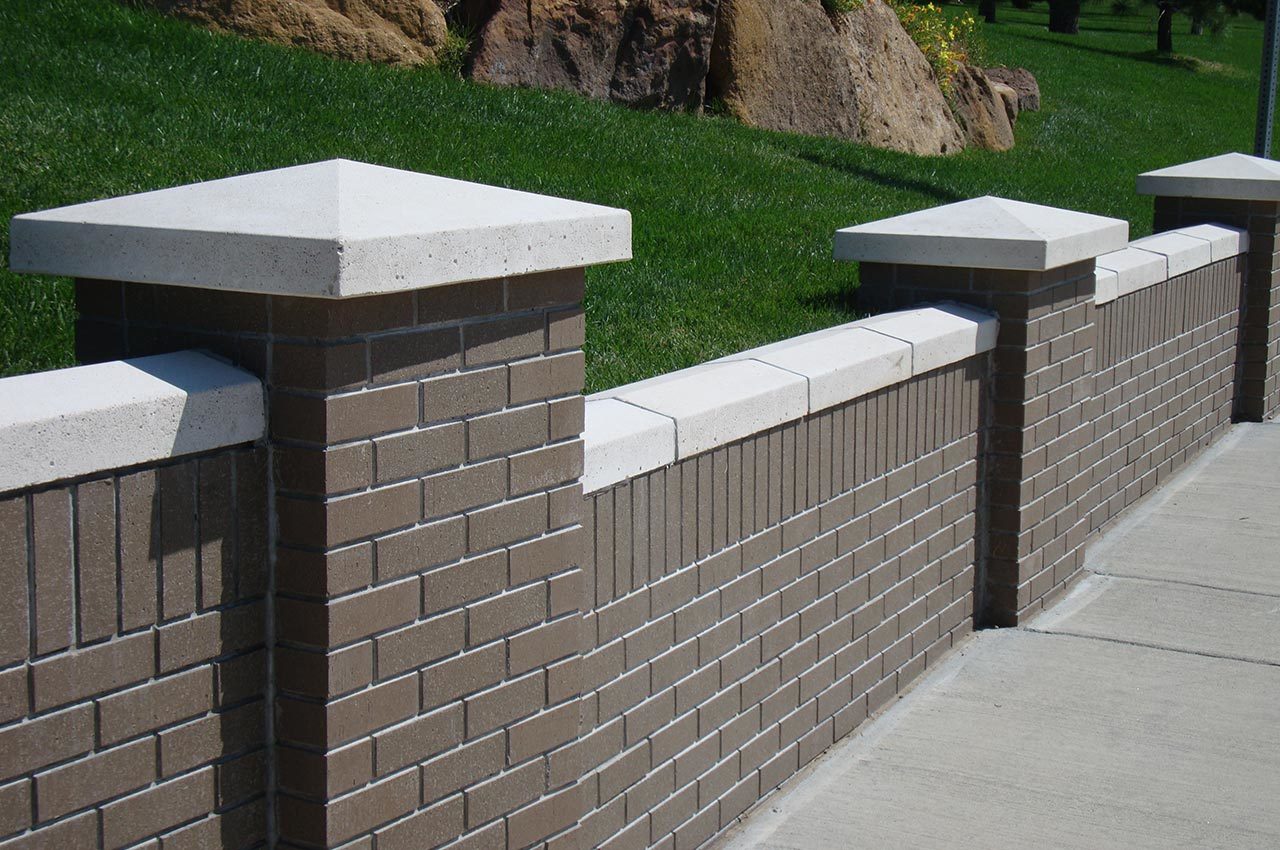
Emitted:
pixel 399 32
pixel 981 110
pixel 651 53
pixel 1022 82
pixel 788 65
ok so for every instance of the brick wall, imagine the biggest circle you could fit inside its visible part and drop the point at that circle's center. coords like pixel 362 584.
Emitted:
pixel 1166 368
pixel 132 669
pixel 751 605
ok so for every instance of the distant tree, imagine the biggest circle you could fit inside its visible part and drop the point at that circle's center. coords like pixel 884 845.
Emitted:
pixel 1210 15
pixel 1064 16
pixel 987 9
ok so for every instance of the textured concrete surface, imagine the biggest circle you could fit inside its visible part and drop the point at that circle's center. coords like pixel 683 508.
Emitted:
pixel 1231 175
pixel 1140 712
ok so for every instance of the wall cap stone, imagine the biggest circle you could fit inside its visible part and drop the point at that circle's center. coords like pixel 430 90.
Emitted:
pixel 1230 176
pixel 72 422
pixel 984 233
pixel 652 423
pixel 1155 259
pixel 329 229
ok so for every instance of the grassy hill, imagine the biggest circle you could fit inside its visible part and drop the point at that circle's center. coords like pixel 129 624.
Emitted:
pixel 732 226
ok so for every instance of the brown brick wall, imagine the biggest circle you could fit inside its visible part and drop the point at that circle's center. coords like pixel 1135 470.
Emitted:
pixel 132 662
pixel 1166 367
pixel 747 607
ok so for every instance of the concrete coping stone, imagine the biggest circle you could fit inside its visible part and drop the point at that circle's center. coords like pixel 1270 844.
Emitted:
pixel 87 419
pixel 331 229
pixel 1155 259
pixel 653 423
pixel 984 233
pixel 1230 176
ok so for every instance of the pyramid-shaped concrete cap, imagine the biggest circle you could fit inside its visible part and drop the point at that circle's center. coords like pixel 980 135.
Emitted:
pixel 984 233
pixel 1233 176
pixel 330 229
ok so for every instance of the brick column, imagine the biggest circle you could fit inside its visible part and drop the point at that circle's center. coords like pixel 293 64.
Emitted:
pixel 1241 191
pixel 1032 266
pixel 424 369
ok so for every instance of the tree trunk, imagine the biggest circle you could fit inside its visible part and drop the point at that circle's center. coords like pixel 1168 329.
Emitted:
pixel 1164 28
pixel 1064 16
pixel 987 8
pixel 1197 25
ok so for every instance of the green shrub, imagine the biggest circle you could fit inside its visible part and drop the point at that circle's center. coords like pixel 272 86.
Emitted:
pixel 455 51
pixel 840 7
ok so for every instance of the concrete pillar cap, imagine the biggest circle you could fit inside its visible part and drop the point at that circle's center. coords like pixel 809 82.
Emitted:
pixel 984 233
pixel 330 229
pixel 1231 176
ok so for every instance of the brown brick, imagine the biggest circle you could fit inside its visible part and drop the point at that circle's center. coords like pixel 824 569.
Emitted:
pixel 215 502
pixel 509 701
pixel 545 289
pixel 459 301
pixel 421 548
pixel 335 318
pixel 324 471
pixel 318 367
pixel 540 646
pixel 421 643
pixel 324 674
pixel 462 489
pixel 51 535
pixel 429 827
pixel 541 378
pixel 324 574
pixel 546 817
pixel 566 329
pixel 348 618
pixel 78 831
pixel 546 467
pixel 465 582
pixel 414 354
pixel 465 674
pixel 508 522
pixel 81 673
pixel 96 548
pixel 345 519
pixel 94 779
pixel 505 793
pixel 501 615
pixel 507 431
pixel 13 694
pixel 14 635
pixel 178 540
pixel 328 773
pixel 155 809
pixel 351 717
pixel 210 635
pixel 543 732
pixel 567 417
pixel 418 739
pixel 462 767
pixel 341 418
pixel 15 807
pixel 417 453
pixel 52 738
pixel 502 340
pixel 464 394
pixel 212 737
pixel 154 705
pixel 338 821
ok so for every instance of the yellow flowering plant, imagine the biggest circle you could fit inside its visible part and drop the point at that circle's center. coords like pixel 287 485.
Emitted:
pixel 945 41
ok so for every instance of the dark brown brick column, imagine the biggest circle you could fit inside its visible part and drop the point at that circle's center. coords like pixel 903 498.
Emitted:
pixel 1039 452
pixel 1239 191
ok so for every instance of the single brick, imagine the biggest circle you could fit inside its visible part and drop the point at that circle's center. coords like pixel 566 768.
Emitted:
pixel 210 635
pixel 465 674
pixel 421 548
pixel 350 618
pixel 505 793
pixel 15 806
pixel 421 643
pixel 155 809
pixel 464 582
pixel 509 701
pixel 308 366
pixel 546 289
pixel 414 354
pixel 544 556
pixel 463 767
pixel 428 827
pixel 321 471
pixel 96 547
pixel 329 825
pixel 546 817
pixel 211 737
pixel 509 522
pixel 547 377
pixel 51 535
pixel 77 674
pixel 418 739
pixel 14 634
pixel 507 431
pixel 462 489
pixel 94 779
pixel 328 773
pixel 52 738
pixel 543 732
pixel 416 453
pixel 438 304
pixel 541 645
pixel 344 519
pixel 464 394
pixel 501 615
pixel 503 340
pixel 154 705
pixel 546 467
pixel 346 719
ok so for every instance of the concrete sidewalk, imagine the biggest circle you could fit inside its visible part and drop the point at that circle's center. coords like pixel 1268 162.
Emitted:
pixel 1143 711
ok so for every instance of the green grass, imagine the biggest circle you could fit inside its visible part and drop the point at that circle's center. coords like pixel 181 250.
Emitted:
pixel 733 226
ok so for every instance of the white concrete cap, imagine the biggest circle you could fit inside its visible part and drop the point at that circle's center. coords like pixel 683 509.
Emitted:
pixel 840 365
pixel 1232 176
pixel 1135 269
pixel 1224 242
pixel 622 441
pixel 1106 286
pixel 984 233
pixel 940 334
pixel 717 403
pixel 72 422
pixel 1182 253
pixel 330 229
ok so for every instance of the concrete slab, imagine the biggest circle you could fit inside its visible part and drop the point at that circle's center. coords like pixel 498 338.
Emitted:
pixel 1215 526
pixel 1037 740
pixel 1233 175
pixel 1226 624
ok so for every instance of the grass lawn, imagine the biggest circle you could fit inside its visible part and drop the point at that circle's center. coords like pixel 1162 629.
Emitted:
pixel 733 226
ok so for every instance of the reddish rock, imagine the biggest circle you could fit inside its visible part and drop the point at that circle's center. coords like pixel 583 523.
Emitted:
pixel 981 111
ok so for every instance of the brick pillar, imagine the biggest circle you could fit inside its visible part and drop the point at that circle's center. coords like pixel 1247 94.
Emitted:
pixel 425 437
pixel 1241 191
pixel 1032 266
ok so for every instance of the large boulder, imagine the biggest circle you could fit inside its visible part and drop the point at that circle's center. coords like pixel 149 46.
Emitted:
pixel 651 53
pixel 981 110
pixel 1021 81
pixel 400 32
pixel 789 65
